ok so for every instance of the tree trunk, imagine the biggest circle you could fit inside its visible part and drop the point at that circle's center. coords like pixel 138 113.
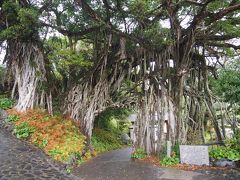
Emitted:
pixel 26 61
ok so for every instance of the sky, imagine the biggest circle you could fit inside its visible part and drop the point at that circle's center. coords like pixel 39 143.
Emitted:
pixel 2 54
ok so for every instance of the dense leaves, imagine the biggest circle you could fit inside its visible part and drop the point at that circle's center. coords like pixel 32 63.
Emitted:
pixel 227 85
pixel 139 154
pixel 6 103
pixel 103 140
pixel 114 120
pixel 22 21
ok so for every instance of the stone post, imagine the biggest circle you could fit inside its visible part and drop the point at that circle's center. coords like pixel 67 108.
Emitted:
pixel 169 148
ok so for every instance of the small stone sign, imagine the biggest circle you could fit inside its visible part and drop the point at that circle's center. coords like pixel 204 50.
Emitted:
pixel 197 155
pixel 169 148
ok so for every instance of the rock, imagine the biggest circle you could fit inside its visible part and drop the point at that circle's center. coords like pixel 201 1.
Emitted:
pixel 3 114
pixel 237 164
pixel 125 138
pixel 225 163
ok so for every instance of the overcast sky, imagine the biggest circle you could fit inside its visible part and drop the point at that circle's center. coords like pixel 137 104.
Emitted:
pixel 2 54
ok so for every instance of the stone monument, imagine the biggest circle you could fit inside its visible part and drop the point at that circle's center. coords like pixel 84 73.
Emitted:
pixel 196 155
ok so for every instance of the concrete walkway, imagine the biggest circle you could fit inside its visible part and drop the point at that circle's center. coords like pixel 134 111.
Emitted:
pixel 117 165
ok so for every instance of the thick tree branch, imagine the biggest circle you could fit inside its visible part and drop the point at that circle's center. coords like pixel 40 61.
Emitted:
pixel 202 37
pixel 110 27
pixel 224 45
pixel 216 16
pixel 71 33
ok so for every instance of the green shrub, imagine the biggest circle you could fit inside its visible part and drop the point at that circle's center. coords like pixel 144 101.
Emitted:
pixel 231 150
pixel 169 161
pixel 224 152
pixel 139 154
pixel 234 142
pixel 78 158
pixel 114 120
pixel 23 130
pixel 12 118
pixel 6 103
pixel 103 140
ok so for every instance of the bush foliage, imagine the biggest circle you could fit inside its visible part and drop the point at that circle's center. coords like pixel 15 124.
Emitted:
pixel 139 154
pixel 114 120
pixel 58 137
pixel 103 140
pixel 6 103
pixel 231 150
pixel 169 161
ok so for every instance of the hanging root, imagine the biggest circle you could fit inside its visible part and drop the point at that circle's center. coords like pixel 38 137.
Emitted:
pixel 27 64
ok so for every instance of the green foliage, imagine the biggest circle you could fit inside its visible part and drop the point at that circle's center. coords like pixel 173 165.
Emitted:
pixel 216 5
pixel 231 150
pixel 54 152
pixel 63 57
pixel 22 22
pixel 169 161
pixel 142 8
pixel 224 152
pixel 44 142
pixel 176 150
pixel 139 154
pixel 175 156
pixel 6 103
pixel 103 140
pixel 78 160
pixel 23 130
pixel 234 142
pixel 114 120
pixel 69 170
pixel 2 73
pixel 12 118
pixel 227 85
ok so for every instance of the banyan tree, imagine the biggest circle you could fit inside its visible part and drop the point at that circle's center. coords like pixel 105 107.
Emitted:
pixel 24 55
pixel 173 63
pixel 167 49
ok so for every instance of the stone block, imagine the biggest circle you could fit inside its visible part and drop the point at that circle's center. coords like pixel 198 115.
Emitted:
pixel 196 155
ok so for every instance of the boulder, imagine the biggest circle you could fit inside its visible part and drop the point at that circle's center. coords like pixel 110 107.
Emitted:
pixel 225 163
pixel 3 114
pixel 125 138
pixel 237 163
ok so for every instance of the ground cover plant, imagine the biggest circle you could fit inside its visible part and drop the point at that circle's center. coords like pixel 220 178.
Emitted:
pixel 6 103
pixel 139 154
pixel 230 151
pixel 103 140
pixel 58 137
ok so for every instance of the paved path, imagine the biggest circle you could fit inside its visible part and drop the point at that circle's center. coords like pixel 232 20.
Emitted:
pixel 117 165
pixel 22 161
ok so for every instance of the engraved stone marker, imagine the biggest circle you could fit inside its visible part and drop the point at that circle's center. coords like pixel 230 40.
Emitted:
pixel 169 148
pixel 197 155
